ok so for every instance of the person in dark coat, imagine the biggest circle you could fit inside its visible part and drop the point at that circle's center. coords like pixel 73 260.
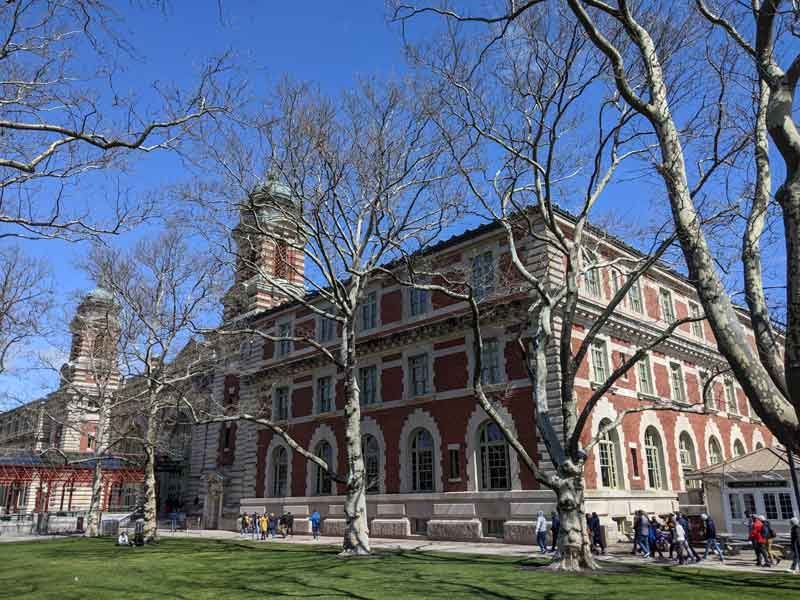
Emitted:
pixel 637 517
pixel 289 524
pixel 644 535
pixel 555 527
pixel 711 537
pixel 597 533
pixel 687 547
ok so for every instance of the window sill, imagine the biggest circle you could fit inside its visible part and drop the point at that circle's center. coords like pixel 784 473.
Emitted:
pixel 454 480
pixel 651 397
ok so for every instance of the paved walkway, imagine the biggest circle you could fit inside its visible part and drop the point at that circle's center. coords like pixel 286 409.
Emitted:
pixel 618 553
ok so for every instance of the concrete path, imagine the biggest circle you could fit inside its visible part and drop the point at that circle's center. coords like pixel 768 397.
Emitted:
pixel 618 553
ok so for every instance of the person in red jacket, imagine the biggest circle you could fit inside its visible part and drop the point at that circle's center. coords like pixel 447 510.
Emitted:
pixel 758 540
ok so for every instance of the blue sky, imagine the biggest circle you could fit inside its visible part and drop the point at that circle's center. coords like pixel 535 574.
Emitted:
pixel 330 43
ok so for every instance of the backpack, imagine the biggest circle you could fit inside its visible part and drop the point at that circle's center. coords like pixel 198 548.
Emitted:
pixel 766 531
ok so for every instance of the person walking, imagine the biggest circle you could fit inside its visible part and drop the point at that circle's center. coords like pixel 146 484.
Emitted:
pixel 679 539
pixel 710 528
pixel 243 530
pixel 794 539
pixel 272 525
pixel 769 534
pixel 262 525
pixel 637 517
pixel 255 530
pixel 315 519
pixel 758 541
pixel 687 547
pixel 541 532
pixel 289 524
pixel 597 533
pixel 644 535
pixel 555 527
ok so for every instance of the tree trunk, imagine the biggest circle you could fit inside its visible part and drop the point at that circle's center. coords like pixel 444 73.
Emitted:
pixel 150 503
pixel 356 532
pixel 574 546
pixel 92 528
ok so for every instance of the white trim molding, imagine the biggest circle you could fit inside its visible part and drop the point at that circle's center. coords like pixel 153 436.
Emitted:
pixel 323 432
pixel 605 410
pixel 419 419
pixel 476 420
pixel 369 426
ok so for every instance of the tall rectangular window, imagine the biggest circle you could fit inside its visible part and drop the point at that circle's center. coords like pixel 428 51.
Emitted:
pixel 635 297
pixel 455 464
pixel 786 506
pixel 770 506
pixel 599 361
pixel 635 461
pixel 608 463
pixel 697 326
pixel 676 383
pixel 326 329
pixel 665 301
pixel 730 398
pixel 707 395
pixel 418 301
pixel 490 362
pixel 749 503
pixel 369 311
pixel 644 379
pixel 418 368
pixel 280 407
pixel 483 274
pixel 735 504
pixel 284 346
pixel 324 394
pixel 368 382
pixel 592 281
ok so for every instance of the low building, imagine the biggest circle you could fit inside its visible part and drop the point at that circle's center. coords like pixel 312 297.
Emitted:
pixel 758 482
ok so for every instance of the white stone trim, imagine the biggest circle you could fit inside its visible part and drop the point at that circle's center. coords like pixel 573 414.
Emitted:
pixel 373 361
pixel 408 384
pixel 275 442
pixel 284 383
pixel 319 374
pixel 736 434
pixel 758 437
pixel 608 358
pixel 478 418
pixel 487 333
pixel 649 418
pixel 713 429
pixel 369 426
pixel 604 409
pixel 682 425
pixel 419 419
pixel 323 432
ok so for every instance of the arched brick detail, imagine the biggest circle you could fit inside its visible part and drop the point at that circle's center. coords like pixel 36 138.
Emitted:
pixel 682 425
pixel 712 429
pixel 478 418
pixel 323 432
pixel 604 409
pixel 649 419
pixel 758 437
pixel 419 419
pixel 274 443
pixel 736 434
pixel 369 426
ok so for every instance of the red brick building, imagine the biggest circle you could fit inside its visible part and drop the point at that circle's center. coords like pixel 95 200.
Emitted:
pixel 435 464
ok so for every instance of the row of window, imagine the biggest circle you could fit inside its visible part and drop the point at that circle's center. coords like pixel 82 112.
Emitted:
pixel 601 370
pixel 419 372
pixel 492 455
pixel 609 456
pixel 634 301
pixel 777 505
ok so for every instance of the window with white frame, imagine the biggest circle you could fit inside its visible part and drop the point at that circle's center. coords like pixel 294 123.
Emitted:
pixel 731 405
pixel 369 311
pixel 326 329
pixel 421 461
pixel 280 470
pixel 785 501
pixel 738 448
pixel 697 326
pixel 706 395
pixel 368 385
pixel 644 378
pixel 599 356
pixel 714 451
pixel 635 297
pixel 749 503
pixel 654 455
pixel 609 456
pixel 419 371
pixel 493 450
pixel 284 346
pixel 676 383
pixel 490 362
pixel 322 481
pixel 687 453
pixel 483 274
pixel 324 394
pixel 667 308
pixel 591 275
pixel 418 301
pixel 280 404
pixel 770 506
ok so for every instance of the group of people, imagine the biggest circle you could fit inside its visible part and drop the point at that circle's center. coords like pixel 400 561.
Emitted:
pixel 761 535
pixel 654 537
pixel 592 526
pixel 267 525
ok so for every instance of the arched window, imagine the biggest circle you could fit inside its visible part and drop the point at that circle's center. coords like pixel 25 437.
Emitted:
pixel 280 468
pixel 371 453
pixel 738 448
pixel 654 452
pixel 687 453
pixel 493 451
pixel 421 461
pixel 322 480
pixel 609 457
pixel 714 451
pixel 759 445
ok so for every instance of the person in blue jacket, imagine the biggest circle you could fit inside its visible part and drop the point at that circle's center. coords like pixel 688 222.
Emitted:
pixel 711 537
pixel 555 526
pixel 315 519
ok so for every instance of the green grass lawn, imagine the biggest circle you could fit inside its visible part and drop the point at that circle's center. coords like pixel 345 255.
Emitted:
pixel 200 569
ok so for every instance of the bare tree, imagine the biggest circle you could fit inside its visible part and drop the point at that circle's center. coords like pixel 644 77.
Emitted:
pixel 351 182
pixel 163 287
